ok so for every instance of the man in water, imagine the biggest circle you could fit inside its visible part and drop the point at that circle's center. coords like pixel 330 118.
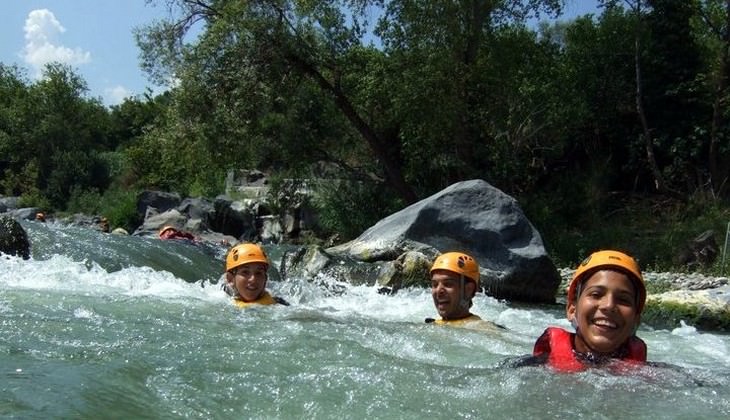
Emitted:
pixel 454 282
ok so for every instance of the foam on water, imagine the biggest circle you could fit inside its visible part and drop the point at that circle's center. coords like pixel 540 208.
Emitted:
pixel 338 301
pixel 136 340
pixel 61 273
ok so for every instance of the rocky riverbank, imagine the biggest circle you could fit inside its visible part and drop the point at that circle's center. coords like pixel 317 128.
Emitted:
pixel 471 216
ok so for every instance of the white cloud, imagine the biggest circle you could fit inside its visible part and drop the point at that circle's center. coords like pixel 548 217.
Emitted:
pixel 41 43
pixel 116 95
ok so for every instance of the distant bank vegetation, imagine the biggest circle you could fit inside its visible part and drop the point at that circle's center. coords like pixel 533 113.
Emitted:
pixel 611 130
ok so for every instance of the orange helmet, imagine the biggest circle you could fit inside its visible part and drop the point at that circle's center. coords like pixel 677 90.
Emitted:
pixel 244 254
pixel 609 260
pixel 40 216
pixel 165 229
pixel 458 263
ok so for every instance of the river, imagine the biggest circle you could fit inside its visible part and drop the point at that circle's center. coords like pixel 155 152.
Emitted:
pixel 104 326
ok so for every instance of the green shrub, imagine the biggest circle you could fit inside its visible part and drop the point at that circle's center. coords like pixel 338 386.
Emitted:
pixel 120 207
pixel 652 228
pixel 84 201
pixel 35 199
pixel 349 207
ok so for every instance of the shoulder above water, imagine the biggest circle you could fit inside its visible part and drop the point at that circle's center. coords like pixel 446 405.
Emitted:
pixel 471 322
pixel 265 299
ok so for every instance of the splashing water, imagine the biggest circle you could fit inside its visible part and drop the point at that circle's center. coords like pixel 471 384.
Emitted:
pixel 101 326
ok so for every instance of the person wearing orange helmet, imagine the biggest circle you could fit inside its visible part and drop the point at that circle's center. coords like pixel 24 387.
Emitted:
pixel 171 232
pixel 246 276
pixel 104 224
pixel 454 282
pixel 605 299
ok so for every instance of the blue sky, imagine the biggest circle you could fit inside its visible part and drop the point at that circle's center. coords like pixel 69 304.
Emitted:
pixel 95 38
pixel 92 36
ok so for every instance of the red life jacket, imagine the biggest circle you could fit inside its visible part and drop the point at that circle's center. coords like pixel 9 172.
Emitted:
pixel 558 344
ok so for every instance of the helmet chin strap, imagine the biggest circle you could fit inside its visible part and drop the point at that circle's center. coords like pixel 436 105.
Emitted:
pixel 574 323
pixel 463 302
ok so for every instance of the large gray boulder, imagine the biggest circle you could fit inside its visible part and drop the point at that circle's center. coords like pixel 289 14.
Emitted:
pixel 160 201
pixel 476 218
pixel 13 239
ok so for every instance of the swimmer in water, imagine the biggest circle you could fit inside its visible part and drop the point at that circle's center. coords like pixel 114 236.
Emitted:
pixel 246 276
pixel 454 282
pixel 605 299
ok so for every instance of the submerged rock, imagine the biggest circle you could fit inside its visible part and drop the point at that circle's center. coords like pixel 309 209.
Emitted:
pixel 409 269
pixel 317 265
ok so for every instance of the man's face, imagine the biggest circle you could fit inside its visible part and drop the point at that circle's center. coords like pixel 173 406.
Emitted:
pixel 447 294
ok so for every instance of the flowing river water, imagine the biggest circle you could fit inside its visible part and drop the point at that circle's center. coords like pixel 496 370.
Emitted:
pixel 103 326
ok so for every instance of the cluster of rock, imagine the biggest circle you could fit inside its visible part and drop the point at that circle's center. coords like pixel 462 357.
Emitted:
pixel 470 216
pixel 226 219
pixel 244 213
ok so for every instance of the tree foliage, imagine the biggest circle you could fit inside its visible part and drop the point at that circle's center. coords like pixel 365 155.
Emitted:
pixel 51 136
pixel 396 99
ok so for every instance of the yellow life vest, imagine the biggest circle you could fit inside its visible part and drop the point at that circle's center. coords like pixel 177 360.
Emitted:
pixel 458 322
pixel 264 299
pixel 472 321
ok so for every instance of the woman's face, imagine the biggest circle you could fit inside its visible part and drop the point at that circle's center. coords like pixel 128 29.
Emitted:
pixel 250 280
pixel 605 313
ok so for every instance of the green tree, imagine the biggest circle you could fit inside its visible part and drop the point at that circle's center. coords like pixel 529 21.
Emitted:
pixel 134 117
pixel 253 57
pixel 13 124
pixel 712 29
pixel 471 89
pixel 67 133
pixel 273 44
pixel 51 136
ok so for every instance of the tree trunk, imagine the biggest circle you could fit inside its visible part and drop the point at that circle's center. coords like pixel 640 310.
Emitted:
pixel 659 182
pixel 719 173
pixel 384 153
pixel 393 171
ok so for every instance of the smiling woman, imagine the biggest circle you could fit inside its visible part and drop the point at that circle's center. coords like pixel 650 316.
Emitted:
pixel 246 276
